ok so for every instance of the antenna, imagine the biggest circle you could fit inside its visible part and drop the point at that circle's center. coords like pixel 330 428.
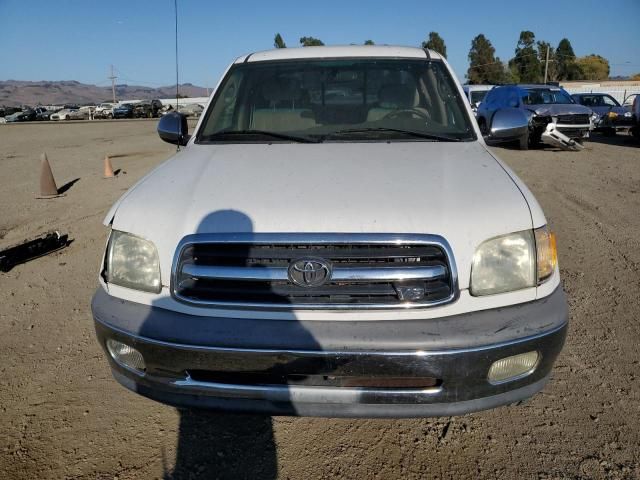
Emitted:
pixel 175 6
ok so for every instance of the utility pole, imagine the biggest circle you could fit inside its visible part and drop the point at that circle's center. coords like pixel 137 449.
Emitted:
pixel 113 84
pixel 546 65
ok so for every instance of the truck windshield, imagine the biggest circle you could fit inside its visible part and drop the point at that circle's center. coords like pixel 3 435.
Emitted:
pixel 337 100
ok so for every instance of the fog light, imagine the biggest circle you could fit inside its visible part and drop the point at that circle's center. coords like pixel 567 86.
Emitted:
pixel 512 368
pixel 126 356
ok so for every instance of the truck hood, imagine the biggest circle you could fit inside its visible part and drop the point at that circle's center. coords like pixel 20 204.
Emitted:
pixel 456 190
pixel 559 109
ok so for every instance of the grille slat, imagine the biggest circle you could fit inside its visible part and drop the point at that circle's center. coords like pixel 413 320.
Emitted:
pixel 256 274
pixel 243 255
pixel 350 273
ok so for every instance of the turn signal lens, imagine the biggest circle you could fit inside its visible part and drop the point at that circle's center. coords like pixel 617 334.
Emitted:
pixel 512 368
pixel 546 253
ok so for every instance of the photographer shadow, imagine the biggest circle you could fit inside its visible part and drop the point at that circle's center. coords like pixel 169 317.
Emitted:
pixel 219 444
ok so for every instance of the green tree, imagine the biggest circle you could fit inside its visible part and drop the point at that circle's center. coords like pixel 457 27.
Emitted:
pixel 310 42
pixel 436 43
pixel 593 67
pixel 369 42
pixel 278 41
pixel 526 62
pixel 484 66
pixel 566 61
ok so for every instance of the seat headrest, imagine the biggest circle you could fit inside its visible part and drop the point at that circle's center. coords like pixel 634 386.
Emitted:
pixel 277 90
pixel 396 96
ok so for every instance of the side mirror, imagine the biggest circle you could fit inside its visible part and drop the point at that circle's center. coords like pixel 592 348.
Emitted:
pixel 173 128
pixel 509 124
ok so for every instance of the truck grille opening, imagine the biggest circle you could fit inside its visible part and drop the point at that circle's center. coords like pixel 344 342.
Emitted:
pixel 577 119
pixel 310 275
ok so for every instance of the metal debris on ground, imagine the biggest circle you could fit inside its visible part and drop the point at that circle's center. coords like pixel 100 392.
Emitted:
pixel 30 249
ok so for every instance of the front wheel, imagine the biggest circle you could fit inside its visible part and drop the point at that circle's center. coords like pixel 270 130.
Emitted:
pixel 66 117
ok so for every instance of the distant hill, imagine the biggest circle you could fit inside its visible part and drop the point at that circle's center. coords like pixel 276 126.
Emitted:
pixel 18 92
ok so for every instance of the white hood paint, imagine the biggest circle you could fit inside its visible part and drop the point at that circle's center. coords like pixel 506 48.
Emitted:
pixel 446 189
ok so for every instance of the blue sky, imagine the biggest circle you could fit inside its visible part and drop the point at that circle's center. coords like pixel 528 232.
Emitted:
pixel 79 39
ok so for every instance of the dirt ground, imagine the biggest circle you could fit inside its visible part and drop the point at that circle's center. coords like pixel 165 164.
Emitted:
pixel 63 416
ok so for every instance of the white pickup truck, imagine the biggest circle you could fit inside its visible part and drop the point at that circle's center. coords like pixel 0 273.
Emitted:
pixel 104 110
pixel 334 239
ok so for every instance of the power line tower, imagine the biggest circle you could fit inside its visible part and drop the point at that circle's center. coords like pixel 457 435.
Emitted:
pixel 113 84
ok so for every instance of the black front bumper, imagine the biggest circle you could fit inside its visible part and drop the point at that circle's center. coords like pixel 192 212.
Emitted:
pixel 457 350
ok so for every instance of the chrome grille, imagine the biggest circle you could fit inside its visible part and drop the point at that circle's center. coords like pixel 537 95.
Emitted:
pixel 577 119
pixel 366 271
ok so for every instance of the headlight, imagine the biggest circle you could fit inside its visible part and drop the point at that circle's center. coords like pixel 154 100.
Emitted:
pixel 594 117
pixel 503 264
pixel 628 114
pixel 132 262
pixel 514 261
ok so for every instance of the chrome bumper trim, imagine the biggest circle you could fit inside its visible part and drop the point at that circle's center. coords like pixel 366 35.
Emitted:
pixel 297 394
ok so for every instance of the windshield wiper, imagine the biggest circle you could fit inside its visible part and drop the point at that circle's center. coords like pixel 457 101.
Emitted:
pixel 282 136
pixel 413 133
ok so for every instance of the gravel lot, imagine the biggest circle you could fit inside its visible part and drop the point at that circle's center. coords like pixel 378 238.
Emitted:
pixel 62 415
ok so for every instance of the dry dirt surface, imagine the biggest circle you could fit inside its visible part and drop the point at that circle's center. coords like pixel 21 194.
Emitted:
pixel 62 415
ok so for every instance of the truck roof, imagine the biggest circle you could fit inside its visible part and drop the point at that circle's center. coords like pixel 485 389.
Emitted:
pixel 344 51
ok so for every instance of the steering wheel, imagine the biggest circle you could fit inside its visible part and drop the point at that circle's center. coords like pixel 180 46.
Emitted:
pixel 407 113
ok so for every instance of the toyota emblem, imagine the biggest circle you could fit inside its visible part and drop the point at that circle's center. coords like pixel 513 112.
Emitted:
pixel 309 272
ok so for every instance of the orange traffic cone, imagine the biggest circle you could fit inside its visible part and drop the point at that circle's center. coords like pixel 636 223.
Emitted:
pixel 108 169
pixel 48 188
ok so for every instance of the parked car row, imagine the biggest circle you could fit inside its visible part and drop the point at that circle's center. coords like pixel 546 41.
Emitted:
pixel 105 110
pixel 550 114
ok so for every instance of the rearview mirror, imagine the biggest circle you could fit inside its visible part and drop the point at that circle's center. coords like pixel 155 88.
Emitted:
pixel 173 128
pixel 509 124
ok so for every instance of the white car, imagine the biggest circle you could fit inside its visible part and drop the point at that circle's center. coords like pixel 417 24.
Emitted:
pixel 191 109
pixel 68 114
pixel 475 94
pixel 334 239
pixel 104 110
